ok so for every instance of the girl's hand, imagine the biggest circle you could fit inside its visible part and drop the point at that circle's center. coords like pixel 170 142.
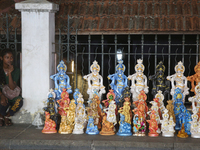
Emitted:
pixel 10 69
pixel 4 100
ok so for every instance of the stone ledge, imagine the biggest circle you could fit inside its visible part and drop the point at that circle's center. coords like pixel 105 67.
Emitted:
pixel 26 136
pixel 37 6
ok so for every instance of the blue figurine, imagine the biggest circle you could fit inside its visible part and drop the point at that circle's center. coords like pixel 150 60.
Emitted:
pixel 181 113
pixel 119 81
pixel 61 80
pixel 124 127
pixel 75 95
pixel 91 128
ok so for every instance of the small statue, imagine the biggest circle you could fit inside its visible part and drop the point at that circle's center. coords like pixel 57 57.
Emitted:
pixel 182 115
pixel 80 119
pixel 160 97
pixel 107 127
pixel 95 82
pixel 91 128
pixel 63 103
pixel 170 108
pixel 64 128
pixel 125 110
pixel 71 117
pixel 139 126
pixel 141 105
pixel 119 81
pixel 96 99
pixel 159 81
pixel 178 80
pixel 93 112
pixel 156 111
pixel 61 80
pixel 124 127
pixel 196 99
pixel 194 124
pixel 111 112
pixel 167 126
pixel 110 97
pixel 195 78
pixel 50 125
pixel 153 126
pixel 182 133
pixel 75 95
pixel 51 107
pixel 139 81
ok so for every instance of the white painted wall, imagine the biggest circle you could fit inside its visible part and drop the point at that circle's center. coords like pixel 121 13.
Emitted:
pixel 38 36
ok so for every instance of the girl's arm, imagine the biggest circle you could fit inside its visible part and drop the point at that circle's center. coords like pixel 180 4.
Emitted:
pixel 12 84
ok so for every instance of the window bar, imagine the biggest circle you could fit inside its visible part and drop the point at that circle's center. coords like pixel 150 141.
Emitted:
pixel 7 31
pixel 102 55
pixel 183 47
pixel 142 46
pixel 15 45
pixel 59 45
pixel 169 57
pixel 197 49
pixel 89 46
pixel 129 41
pixel 115 51
pixel 68 39
pixel 156 46
pixel 76 43
pixel 169 51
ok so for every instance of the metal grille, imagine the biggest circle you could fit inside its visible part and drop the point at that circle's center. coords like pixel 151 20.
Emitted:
pixel 9 37
pixel 84 49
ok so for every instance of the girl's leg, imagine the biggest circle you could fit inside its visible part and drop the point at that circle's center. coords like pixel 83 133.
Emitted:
pixel 3 110
pixel 14 107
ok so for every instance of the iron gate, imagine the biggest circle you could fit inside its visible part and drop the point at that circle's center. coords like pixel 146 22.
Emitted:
pixel 84 49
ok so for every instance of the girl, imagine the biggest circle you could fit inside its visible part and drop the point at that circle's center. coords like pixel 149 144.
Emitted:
pixel 9 75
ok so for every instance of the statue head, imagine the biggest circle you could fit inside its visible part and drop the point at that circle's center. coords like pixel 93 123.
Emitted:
pixel 120 68
pixel 139 68
pixel 178 96
pixel 110 95
pixel 160 68
pixel 95 68
pixel 61 68
pixel 180 69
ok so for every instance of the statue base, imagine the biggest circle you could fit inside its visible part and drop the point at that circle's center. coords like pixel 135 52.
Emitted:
pixel 195 135
pixel 124 134
pixel 77 132
pixel 168 134
pixel 139 134
pixel 153 134
pixel 92 133
pixel 49 131
pixel 107 133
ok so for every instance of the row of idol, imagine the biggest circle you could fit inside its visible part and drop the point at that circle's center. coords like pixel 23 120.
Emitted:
pixel 103 120
pixel 138 81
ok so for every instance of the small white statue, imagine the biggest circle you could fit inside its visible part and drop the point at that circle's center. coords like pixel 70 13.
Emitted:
pixel 194 124
pixel 80 118
pixel 167 126
pixel 110 111
pixel 196 99
pixel 139 81
pixel 95 82
pixel 178 80
pixel 155 108
pixel 160 96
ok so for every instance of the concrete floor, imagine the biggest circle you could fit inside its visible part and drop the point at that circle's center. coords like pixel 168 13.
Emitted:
pixel 26 136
